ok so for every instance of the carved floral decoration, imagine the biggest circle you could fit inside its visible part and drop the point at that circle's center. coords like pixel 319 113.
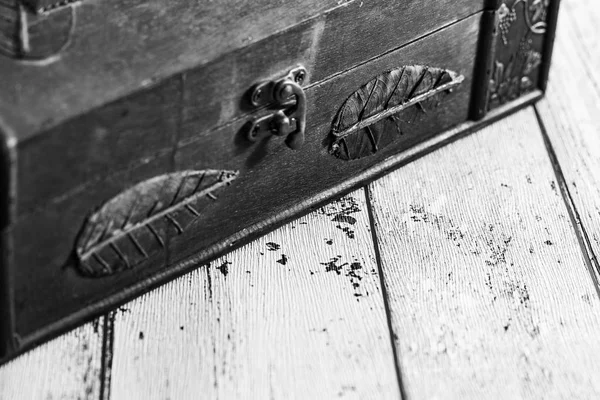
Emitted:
pixel 520 24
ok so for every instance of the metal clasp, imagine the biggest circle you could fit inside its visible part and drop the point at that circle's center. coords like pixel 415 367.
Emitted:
pixel 287 103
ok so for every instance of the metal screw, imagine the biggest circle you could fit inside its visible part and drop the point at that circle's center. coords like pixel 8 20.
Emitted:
pixel 284 92
pixel 258 92
pixel 254 131
pixel 300 76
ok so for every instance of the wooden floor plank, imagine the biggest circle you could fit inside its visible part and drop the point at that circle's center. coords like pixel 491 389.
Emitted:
pixel 68 367
pixel 296 314
pixel 489 292
pixel 571 112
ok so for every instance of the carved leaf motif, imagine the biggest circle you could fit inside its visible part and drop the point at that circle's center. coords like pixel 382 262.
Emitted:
pixel 373 116
pixel 25 35
pixel 140 221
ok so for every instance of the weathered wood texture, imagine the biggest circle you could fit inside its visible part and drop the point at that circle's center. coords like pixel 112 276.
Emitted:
pixel 181 76
pixel 140 43
pixel 477 312
pixel 274 181
pixel 570 114
pixel 296 314
pixel 144 41
pixel 490 296
pixel 68 367
pixel 167 114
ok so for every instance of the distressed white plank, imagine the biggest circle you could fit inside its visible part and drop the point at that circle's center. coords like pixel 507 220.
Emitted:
pixel 571 110
pixel 489 291
pixel 68 367
pixel 250 327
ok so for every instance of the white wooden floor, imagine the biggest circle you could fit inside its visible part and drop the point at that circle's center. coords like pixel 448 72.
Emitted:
pixel 468 274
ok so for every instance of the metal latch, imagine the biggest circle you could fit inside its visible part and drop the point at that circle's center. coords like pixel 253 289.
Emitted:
pixel 286 103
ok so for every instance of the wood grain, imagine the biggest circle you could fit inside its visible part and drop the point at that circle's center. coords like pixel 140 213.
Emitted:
pixel 489 292
pixel 296 314
pixel 68 367
pixel 91 139
pixel 273 180
pixel 570 114
pixel 136 44
pixel 119 48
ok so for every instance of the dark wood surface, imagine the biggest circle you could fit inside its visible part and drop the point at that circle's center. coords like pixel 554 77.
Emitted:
pixel 270 183
pixel 93 144
pixel 170 127
pixel 143 42
pixel 118 48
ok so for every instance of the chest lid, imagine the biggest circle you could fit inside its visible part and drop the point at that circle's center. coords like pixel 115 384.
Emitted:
pixel 61 59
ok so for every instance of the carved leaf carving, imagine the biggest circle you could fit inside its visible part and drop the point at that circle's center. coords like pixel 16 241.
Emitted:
pixel 140 221
pixel 30 36
pixel 372 117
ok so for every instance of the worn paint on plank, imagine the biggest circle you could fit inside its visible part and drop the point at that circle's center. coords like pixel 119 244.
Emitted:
pixel 489 292
pixel 277 325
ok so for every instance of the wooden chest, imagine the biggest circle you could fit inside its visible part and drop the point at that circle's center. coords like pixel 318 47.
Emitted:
pixel 141 139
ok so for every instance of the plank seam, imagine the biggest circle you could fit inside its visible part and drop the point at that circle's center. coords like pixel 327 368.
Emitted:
pixel 186 263
pixel 333 76
pixel 384 293
pixel 108 339
pixel 389 51
pixel 585 244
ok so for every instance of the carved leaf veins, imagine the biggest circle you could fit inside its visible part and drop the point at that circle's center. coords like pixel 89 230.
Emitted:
pixel 377 113
pixel 139 222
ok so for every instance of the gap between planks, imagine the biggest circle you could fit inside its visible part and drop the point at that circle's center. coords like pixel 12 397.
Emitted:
pixel 570 120
pixel 298 313
pixel 490 296
pixel 68 367
pixel 582 236
pixel 386 297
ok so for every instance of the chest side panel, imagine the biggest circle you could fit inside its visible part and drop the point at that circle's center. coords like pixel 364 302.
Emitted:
pixel 270 179
pixel 150 123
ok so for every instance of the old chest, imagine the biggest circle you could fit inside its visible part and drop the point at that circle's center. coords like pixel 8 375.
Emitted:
pixel 140 139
